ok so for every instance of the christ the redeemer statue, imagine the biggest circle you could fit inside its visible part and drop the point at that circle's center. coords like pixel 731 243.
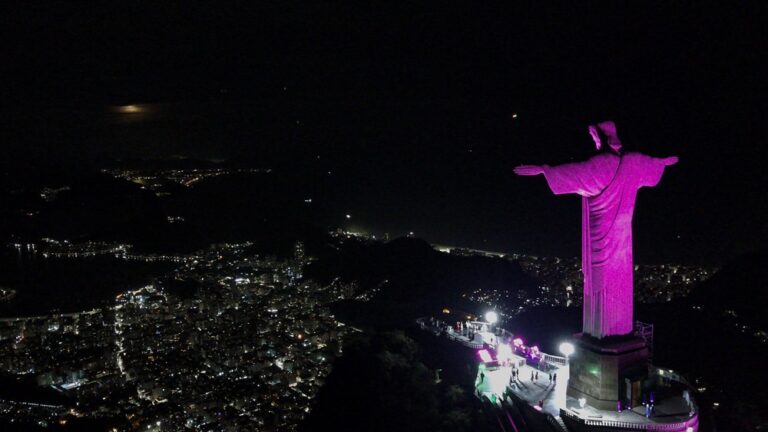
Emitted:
pixel 608 183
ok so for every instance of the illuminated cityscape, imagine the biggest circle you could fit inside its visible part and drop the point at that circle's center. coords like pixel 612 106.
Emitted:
pixel 561 280
pixel 251 323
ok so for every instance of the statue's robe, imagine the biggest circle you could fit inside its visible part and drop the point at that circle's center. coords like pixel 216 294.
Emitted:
pixel 608 184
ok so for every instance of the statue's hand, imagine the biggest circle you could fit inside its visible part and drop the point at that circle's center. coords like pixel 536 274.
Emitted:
pixel 670 160
pixel 595 137
pixel 529 170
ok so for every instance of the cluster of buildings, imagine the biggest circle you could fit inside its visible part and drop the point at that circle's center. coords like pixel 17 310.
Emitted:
pixel 246 348
pixel 560 283
pixel 667 282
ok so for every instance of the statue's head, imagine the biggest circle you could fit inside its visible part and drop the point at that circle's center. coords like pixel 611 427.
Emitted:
pixel 608 135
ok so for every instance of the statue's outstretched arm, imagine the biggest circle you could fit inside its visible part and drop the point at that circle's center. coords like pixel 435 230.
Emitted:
pixel 584 178
pixel 653 169
pixel 529 170
pixel 669 161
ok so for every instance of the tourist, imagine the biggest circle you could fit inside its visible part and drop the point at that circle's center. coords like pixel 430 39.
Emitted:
pixel 537 375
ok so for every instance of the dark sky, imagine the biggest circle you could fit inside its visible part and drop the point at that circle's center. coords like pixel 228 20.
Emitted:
pixel 410 106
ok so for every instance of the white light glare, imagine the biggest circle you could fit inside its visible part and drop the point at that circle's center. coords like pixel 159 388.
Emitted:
pixel 491 317
pixel 566 348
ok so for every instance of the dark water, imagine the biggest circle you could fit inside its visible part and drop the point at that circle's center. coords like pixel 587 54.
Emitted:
pixel 44 285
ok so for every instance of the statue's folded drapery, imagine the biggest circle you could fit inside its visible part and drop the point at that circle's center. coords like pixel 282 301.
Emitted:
pixel 608 184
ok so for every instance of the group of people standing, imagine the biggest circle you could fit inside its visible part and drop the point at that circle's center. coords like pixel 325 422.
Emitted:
pixel 515 376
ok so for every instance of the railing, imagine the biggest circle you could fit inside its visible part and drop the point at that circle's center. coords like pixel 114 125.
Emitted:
pixel 676 426
pixel 426 325
pixel 554 360
pixel 500 333
pixel 557 423
pixel 464 340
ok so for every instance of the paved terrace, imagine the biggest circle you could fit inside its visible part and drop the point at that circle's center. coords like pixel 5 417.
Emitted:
pixel 550 393
pixel 549 397
pixel 671 411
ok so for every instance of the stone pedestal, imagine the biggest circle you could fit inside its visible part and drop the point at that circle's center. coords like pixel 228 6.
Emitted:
pixel 604 371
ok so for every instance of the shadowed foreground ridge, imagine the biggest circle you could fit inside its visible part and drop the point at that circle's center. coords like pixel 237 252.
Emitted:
pixel 380 384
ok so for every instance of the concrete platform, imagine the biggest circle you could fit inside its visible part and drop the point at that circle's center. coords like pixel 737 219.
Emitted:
pixel 552 395
pixel 671 414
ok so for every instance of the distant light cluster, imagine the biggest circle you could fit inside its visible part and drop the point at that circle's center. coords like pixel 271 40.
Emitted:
pixel 561 282
pixel 52 248
pixel 156 179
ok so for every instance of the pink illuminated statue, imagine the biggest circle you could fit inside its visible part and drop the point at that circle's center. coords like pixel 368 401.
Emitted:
pixel 608 183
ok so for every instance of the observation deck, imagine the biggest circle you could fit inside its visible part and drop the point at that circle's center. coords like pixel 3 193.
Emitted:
pixel 536 399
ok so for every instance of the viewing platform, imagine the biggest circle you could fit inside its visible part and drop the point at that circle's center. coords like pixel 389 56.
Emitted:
pixel 529 389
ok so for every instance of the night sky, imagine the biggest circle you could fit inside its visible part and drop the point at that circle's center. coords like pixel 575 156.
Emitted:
pixel 412 107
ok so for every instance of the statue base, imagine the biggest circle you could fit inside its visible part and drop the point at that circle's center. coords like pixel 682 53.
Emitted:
pixel 608 371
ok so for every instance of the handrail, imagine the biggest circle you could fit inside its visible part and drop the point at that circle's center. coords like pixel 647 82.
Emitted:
pixel 546 358
pixel 452 336
pixel 553 359
pixel 630 425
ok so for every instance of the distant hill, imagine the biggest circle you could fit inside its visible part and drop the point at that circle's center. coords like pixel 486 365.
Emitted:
pixel 741 286
pixel 418 278
pixel 267 209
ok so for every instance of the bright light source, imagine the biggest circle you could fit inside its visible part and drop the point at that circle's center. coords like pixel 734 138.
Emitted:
pixel 491 317
pixel 504 352
pixel 129 109
pixel 485 356
pixel 517 342
pixel 349 216
pixel 566 348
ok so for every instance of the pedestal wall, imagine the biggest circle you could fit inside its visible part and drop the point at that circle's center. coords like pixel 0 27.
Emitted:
pixel 599 367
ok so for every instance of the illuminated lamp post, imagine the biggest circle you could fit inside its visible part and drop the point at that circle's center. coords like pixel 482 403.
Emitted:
pixel 491 317
pixel 566 349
